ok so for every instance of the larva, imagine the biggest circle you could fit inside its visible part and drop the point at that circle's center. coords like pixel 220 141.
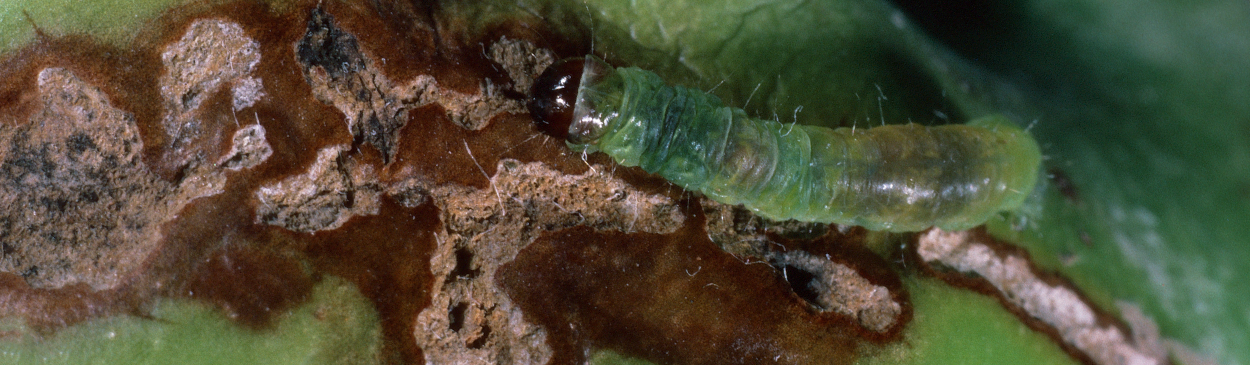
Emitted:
pixel 892 178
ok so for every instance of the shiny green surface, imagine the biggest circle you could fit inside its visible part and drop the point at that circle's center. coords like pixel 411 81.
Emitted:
pixel 893 178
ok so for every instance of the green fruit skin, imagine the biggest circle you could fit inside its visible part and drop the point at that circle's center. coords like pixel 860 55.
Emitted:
pixel 888 178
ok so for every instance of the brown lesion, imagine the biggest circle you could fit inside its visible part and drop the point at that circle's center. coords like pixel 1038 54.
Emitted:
pixel 858 283
pixel 213 249
pixel 452 213
pixel 251 285
pixel 48 310
pixel 77 198
pixel 672 298
pixel 387 256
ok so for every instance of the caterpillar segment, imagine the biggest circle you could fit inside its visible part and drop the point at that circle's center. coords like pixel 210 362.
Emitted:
pixel 889 178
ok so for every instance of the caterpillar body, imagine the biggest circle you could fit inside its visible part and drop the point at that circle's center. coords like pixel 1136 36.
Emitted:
pixel 891 178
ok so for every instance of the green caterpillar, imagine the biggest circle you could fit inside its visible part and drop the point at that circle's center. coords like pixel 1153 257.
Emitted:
pixel 891 178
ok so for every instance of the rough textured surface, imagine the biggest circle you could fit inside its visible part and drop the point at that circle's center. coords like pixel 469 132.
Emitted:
pixel 522 60
pixel 329 193
pixel 346 77
pixel 77 201
pixel 214 55
pixel 307 197
pixel 249 148
pixel 470 319
pixel 826 282
pixel 839 288
pixel 244 157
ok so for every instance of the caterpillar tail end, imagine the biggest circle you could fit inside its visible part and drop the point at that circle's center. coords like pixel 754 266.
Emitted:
pixel 1024 158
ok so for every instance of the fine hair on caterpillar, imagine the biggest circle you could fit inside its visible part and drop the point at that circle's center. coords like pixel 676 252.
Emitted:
pixel 891 178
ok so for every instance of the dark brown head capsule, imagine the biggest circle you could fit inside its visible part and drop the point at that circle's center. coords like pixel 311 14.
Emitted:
pixel 553 97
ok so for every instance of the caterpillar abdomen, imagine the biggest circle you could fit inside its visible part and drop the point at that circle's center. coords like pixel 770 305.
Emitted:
pixel 895 178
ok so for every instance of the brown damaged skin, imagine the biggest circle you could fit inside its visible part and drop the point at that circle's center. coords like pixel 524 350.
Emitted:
pixel 828 266
pixel 210 246
pixel 674 298
pixel 65 191
pixel 211 231
pixel 853 277
pixel 383 142
pixel 387 257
